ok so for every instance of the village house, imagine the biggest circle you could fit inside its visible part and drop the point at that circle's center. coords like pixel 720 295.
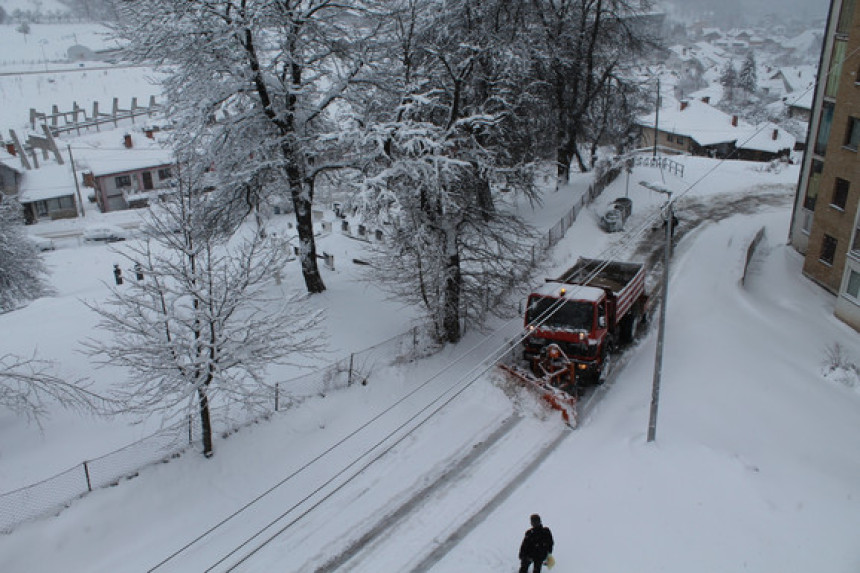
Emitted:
pixel 128 177
pixel 694 127
pixel 45 193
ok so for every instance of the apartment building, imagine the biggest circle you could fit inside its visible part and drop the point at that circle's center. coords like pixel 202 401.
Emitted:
pixel 825 225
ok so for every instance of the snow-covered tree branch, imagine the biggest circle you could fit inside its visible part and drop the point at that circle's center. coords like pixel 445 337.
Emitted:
pixel 27 385
pixel 22 272
pixel 206 317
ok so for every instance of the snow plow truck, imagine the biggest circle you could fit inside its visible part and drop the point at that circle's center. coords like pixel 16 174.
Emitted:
pixel 575 322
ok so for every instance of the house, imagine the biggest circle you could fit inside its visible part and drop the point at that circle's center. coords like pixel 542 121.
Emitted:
pixel 693 127
pixel 10 175
pixel 766 142
pixel 800 107
pixel 128 177
pixel 795 78
pixel 44 193
pixel 49 193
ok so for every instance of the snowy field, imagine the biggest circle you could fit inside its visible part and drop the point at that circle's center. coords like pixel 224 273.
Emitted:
pixel 754 467
pixel 35 73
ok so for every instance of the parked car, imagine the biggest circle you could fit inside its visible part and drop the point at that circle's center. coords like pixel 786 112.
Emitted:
pixel 105 233
pixel 43 243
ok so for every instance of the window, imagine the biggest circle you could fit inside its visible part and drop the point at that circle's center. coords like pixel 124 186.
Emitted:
pixel 855 246
pixel 853 286
pixel 840 193
pixel 122 181
pixel 824 128
pixel 812 185
pixel 852 135
pixel 846 15
pixel 165 173
pixel 828 250
pixel 835 74
pixel 806 221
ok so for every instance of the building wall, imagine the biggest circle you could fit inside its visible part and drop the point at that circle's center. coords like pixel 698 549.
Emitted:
pixel 665 140
pixel 832 245
pixel 112 197
pixel 840 161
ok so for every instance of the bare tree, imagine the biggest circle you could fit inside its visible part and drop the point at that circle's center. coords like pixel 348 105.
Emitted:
pixel 580 49
pixel 27 386
pixel 204 320
pixel 443 142
pixel 253 83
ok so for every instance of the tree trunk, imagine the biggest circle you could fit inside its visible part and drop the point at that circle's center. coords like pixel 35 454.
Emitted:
pixel 583 166
pixel 453 280
pixel 303 204
pixel 484 196
pixel 205 422
pixel 563 159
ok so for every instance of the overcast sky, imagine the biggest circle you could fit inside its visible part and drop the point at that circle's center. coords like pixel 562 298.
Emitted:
pixel 737 11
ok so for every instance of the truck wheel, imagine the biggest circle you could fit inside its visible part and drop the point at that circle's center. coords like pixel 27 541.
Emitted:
pixel 629 326
pixel 605 367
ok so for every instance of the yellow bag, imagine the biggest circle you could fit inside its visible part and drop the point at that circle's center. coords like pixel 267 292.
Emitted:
pixel 550 561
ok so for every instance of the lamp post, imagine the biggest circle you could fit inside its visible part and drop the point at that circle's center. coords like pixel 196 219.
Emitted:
pixel 661 327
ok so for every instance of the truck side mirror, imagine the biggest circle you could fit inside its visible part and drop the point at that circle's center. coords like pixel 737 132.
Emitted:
pixel 601 321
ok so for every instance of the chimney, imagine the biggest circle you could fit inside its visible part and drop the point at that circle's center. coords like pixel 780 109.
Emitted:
pixel 734 121
pixel 684 104
pixel 775 134
pixel 10 147
pixel 126 140
pixel 706 99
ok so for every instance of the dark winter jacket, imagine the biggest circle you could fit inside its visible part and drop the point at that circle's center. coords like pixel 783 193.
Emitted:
pixel 537 544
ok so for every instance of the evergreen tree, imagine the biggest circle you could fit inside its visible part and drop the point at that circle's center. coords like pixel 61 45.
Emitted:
pixel 729 79
pixel 748 77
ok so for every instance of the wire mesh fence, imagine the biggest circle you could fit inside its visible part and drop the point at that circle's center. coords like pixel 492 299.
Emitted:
pixel 53 494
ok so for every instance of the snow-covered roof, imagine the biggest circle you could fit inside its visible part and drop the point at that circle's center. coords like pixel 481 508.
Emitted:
pixel 47 182
pixel 797 77
pixel 802 100
pixel 699 121
pixel 113 157
pixel 570 292
pixel 767 137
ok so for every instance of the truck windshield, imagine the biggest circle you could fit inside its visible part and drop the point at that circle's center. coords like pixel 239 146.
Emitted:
pixel 570 315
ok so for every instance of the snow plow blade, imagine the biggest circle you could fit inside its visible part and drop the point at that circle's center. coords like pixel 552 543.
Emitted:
pixel 555 398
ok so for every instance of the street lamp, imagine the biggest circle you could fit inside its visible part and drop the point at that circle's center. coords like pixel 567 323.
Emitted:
pixel 661 328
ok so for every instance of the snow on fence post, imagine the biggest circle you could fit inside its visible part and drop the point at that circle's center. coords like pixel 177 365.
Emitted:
pixel 277 394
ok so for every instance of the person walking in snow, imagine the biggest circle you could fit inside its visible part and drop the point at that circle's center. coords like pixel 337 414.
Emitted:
pixel 536 545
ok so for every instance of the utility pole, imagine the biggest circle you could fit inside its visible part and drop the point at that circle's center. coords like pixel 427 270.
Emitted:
pixel 77 186
pixel 661 327
pixel 656 118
